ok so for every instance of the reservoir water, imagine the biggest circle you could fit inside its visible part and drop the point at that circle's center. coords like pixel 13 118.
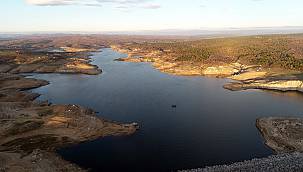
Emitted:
pixel 208 126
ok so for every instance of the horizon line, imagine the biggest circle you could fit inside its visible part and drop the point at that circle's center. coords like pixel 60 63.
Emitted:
pixel 161 30
pixel 202 32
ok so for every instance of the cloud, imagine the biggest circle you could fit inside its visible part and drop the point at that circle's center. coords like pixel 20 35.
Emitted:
pixel 118 3
pixel 51 2
pixel 151 6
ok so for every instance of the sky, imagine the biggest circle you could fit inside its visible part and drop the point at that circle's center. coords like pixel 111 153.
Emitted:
pixel 135 15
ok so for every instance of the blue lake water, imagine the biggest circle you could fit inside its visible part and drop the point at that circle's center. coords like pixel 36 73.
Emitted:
pixel 209 126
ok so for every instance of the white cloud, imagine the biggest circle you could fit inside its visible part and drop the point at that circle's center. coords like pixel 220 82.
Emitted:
pixel 52 2
pixel 118 3
pixel 151 6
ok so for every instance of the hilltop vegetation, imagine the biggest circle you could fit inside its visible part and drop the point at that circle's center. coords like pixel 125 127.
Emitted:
pixel 49 42
pixel 281 51
pixel 284 51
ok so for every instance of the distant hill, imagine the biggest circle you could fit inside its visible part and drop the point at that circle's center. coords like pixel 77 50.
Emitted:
pixel 203 32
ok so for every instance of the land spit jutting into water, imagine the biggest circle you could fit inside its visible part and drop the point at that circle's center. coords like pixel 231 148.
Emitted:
pixel 246 76
pixel 283 135
pixel 31 131
pixel 48 127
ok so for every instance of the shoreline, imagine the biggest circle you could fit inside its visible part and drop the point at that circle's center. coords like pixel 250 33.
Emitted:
pixel 31 131
pixel 44 62
pixel 283 136
pixel 50 127
pixel 244 76
pixel 277 163
pixel 248 77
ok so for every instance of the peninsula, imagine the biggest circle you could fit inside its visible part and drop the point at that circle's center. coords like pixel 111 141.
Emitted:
pixel 31 131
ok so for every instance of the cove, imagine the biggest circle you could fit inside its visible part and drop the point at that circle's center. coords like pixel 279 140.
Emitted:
pixel 209 126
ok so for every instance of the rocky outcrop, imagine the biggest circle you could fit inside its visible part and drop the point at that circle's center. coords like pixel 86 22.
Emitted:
pixel 38 160
pixel 28 127
pixel 282 134
pixel 46 62
pixel 75 50
pixel 132 59
pixel 64 66
pixel 279 85
pixel 223 70
pixel 177 68
pixel 248 75
pixel 174 68
pixel 183 68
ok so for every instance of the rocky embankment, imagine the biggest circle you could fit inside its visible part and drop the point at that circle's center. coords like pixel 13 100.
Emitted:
pixel 283 135
pixel 245 76
pixel 15 62
pixel 267 84
pixel 76 65
pixel 166 65
pixel 31 131
pixel 276 163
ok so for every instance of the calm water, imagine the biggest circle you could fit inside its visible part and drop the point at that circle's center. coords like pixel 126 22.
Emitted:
pixel 210 125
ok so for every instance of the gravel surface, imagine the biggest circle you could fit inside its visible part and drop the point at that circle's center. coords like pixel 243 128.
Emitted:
pixel 276 163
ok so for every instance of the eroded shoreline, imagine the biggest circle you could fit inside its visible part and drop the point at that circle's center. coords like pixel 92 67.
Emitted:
pixel 244 76
pixel 63 116
pixel 31 131
pixel 283 137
